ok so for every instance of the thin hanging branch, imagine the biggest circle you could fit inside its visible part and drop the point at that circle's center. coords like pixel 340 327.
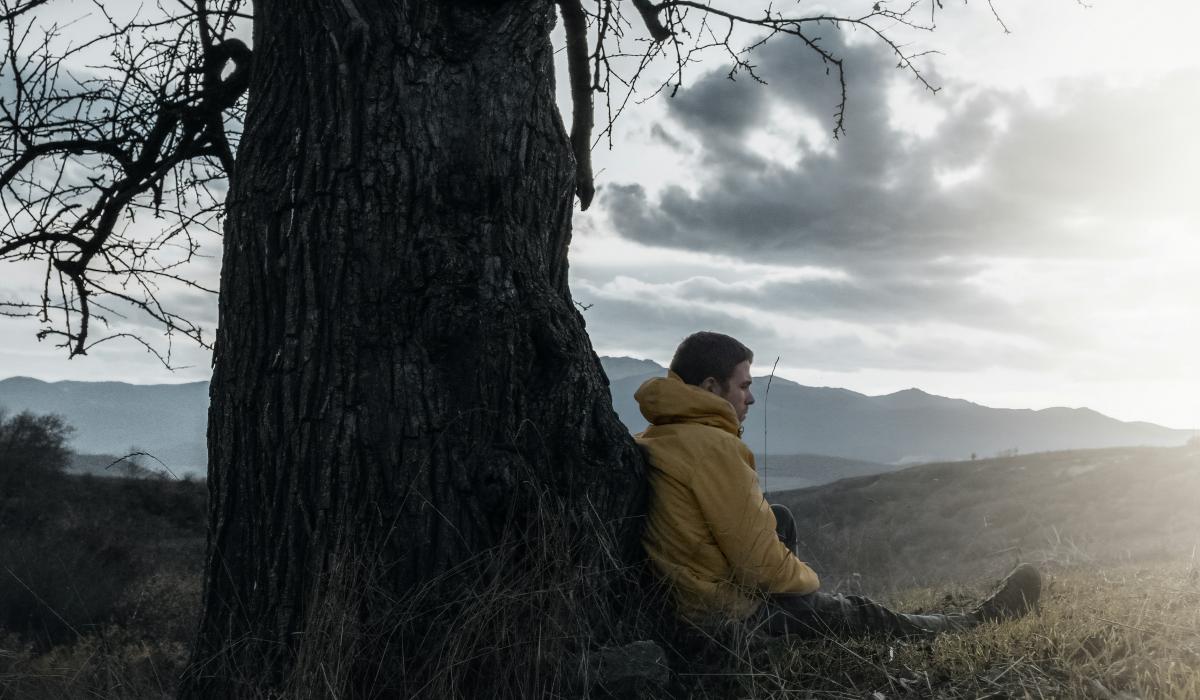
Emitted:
pixel 583 110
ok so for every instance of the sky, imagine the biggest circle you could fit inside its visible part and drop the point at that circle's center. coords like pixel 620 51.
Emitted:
pixel 1027 237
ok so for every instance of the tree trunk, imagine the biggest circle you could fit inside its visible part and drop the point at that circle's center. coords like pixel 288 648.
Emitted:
pixel 402 383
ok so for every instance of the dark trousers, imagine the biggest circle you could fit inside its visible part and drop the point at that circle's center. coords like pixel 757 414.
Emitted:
pixel 822 614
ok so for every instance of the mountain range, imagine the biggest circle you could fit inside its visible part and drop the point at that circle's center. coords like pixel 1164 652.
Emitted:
pixel 806 427
pixel 906 427
pixel 168 421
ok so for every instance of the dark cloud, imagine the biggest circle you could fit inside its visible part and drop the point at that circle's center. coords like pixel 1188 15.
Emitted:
pixel 654 324
pixel 896 299
pixel 654 328
pixel 728 107
pixel 1112 156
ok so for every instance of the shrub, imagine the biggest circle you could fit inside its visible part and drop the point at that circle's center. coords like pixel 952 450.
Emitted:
pixel 56 583
pixel 33 449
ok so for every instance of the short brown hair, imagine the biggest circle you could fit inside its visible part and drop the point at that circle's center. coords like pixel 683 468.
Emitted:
pixel 708 354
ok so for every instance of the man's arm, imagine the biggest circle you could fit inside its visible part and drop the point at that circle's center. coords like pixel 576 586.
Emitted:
pixel 744 528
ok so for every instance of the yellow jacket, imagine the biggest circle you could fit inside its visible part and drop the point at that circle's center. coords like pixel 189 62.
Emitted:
pixel 710 532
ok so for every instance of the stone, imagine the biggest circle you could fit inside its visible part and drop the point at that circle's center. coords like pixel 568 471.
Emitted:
pixel 633 670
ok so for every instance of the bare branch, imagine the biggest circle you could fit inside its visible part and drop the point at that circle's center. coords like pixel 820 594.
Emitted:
pixel 11 12
pixel 85 145
pixel 996 14
pixel 649 12
pixel 682 30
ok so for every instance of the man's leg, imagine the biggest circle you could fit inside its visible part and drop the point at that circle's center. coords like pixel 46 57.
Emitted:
pixel 785 527
pixel 818 614
pixel 823 614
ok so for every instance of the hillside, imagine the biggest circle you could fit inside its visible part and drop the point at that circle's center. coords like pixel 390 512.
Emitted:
pixel 785 472
pixel 964 520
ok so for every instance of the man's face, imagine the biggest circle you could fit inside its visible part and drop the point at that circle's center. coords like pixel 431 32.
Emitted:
pixel 736 390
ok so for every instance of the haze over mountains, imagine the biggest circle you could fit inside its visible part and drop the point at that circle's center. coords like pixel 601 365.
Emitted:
pixel 167 420
pixel 908 426
pixel 806 425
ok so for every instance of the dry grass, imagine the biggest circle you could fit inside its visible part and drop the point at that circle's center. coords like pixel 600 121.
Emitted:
pixel 1120 615
pixel 1130 632
pixel 523 619
pixel 100 585
pixel 1125 632
pixel 959 521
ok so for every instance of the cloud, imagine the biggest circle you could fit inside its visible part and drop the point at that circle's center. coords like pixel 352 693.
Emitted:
pixel 999 176
pixel 655 316
pixel 980 229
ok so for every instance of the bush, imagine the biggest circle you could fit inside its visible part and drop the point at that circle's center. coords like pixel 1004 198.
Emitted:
pixel 55 584
pixel 33 450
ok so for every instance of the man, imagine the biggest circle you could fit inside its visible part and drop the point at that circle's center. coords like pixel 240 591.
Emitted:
pixel 727 554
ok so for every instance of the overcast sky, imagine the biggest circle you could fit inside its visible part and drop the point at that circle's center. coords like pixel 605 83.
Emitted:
pixel 1028 237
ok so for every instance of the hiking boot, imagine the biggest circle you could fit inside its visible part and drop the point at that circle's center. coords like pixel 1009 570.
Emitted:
pixel 1018 595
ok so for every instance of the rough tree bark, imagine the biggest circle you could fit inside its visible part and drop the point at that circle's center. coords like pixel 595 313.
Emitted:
pixel 400 371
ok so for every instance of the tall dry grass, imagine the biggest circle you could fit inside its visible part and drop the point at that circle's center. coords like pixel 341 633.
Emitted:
pixel 527 618
pixel 545 611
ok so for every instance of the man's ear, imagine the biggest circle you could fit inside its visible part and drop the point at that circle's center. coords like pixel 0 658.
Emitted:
pixel 711 384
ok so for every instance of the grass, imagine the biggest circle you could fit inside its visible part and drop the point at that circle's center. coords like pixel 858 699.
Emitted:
pixel 1120 613
pixel 1129 632
pixel 959 521
pixel 1132 631
pixel 99 588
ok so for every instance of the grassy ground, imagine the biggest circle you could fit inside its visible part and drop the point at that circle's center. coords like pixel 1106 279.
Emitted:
pixel 1128 632
pixel 110 569
pixel 99 586
pixel 964 520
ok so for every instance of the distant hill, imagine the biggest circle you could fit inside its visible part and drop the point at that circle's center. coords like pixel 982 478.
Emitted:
pixel 624 367
pixel 906 427
pixel 807 426
pixel 964 520
pixel 784 472
pixel 166 420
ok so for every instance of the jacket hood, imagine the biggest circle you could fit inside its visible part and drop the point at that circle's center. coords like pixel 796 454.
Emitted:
pixel 667 400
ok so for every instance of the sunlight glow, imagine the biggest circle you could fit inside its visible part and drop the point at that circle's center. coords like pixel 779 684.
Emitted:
pixel 949 178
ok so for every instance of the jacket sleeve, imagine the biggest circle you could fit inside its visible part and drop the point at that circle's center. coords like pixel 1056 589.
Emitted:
pixel 743 526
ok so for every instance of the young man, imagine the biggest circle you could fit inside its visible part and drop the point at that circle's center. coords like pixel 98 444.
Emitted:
pixel 727 554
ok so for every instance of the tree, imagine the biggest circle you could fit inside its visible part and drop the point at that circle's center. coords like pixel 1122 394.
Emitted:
pixel 403 388
pixel 33 450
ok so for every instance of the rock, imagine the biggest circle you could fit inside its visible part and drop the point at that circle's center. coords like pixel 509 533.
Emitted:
pixel 633 670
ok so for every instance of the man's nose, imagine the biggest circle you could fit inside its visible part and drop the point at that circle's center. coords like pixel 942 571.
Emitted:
pixel 749 398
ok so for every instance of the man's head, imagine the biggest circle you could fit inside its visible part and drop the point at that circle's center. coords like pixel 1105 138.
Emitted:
pixel 718 363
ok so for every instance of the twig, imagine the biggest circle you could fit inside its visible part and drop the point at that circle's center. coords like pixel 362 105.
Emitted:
pixel 142 454
pixel 767 395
